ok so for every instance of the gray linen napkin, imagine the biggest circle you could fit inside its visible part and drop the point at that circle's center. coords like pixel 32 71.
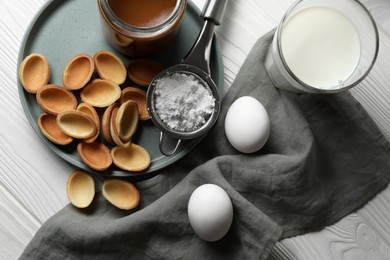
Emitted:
pixel 324 159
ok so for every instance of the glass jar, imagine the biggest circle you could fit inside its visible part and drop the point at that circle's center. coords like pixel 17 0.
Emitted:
pixel 140 28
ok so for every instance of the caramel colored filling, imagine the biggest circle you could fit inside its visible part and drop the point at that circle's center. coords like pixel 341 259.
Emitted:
pixel 145 13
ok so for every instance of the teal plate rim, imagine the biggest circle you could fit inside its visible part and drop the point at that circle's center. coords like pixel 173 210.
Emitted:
pixel 38 31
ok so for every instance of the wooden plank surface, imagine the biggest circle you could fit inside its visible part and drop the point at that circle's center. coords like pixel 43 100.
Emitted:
pixel 32 179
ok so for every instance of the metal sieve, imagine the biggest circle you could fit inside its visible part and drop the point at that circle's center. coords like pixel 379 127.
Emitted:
pixel 197 64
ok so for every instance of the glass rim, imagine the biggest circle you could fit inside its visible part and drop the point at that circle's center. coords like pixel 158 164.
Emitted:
pixel 331 90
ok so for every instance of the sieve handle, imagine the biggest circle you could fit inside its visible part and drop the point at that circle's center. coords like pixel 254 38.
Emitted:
pixel 213 10
pixel 168 145
pixel 199 55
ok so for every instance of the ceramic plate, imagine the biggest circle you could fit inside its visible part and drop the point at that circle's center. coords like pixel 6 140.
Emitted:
pixel 64 28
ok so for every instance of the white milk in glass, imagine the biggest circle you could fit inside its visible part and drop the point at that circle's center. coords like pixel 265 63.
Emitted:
pixel 321 46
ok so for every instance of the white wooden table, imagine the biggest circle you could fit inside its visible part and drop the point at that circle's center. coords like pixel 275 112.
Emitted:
pixel 32 178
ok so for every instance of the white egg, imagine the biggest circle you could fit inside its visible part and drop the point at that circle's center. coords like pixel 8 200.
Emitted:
pixel 247 125
pixel 210 212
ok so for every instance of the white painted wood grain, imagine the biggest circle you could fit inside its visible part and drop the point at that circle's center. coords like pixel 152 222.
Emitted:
pixel 361 235
pixel 32 179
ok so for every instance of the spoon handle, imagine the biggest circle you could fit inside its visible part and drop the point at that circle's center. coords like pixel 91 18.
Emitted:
pixel 199 55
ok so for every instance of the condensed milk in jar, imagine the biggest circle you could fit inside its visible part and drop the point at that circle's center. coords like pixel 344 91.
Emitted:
pixel 140 28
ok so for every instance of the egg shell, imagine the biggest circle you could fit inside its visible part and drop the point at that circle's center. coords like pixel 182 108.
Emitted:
pixel 100 93
pixel 247 125
pixel 78 71
pixel 121 194
pixel 47 123
pixel 110 66
pixel 210 212
pixel 76 124
pixel 34 72
pixel 80 189
pixel 142 71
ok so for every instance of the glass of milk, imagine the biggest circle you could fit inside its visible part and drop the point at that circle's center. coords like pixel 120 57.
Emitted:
pixel 323 46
